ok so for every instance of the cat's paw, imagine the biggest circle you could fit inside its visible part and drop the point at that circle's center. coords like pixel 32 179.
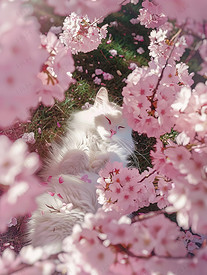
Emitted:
pixel 74 162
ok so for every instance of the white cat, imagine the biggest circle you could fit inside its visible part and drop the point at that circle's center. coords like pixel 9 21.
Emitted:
pixel 95 136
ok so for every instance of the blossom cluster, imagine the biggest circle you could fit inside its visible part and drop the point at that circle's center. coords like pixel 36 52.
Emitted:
pixel 93 9
pixel 125 190
pixel 80 35
pixel 105 242
pixel 186 166
pixel 151 15
pixel 18 184
pixel 55 76
pixel 190 111
pixel 21 61
pixel 150 90
pixel 154 13
pixel 34 69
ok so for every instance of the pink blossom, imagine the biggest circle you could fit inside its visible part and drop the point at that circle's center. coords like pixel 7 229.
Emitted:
pixel 134 21
pixel 161 50
pixel 139 38
pixel 30 254
pixel 97 80
pixel 29 137
pixel 138 109
pixel 94 9
pixel 55 77
pixel 107 76
pixel 20 63
pixel 80 35
pixel 183 9
pixel 79 68
pixel 17 168
pixel 98 71
pixel 140 50
pixel 61 180
pixel 124 189
pixel 191 109
pixel 132 66
pixel 12 222
pixel 151 15
pixel 113 52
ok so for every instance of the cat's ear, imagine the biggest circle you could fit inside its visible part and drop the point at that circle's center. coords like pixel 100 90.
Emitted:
pixel 102 97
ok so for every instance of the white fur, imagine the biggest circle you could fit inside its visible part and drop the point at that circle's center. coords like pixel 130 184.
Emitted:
pixel 85 149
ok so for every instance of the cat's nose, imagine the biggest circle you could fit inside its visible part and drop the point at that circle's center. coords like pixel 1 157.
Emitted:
pixel 113 132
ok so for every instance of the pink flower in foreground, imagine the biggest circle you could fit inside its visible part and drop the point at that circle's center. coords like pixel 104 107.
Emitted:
pixel 189 111
pixel 17 168
pixel 94 9
pixel 125 190
pixel 184 9
pixel 56 74
pixel 151 15
pixel 105 241
pixel 21 61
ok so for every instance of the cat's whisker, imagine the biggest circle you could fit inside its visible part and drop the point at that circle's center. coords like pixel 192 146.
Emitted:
pixel 142 154
pixel 130 150
pixel 135 158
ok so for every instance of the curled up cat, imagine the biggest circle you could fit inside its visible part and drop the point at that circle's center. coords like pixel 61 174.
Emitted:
pixel 94 136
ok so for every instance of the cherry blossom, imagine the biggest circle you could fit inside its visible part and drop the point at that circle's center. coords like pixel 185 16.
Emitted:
pixel 97 80
pixel 113 52
pixel 21 61
pixel 125 190
pixel 114 239
pixel 187 171
pixel 17 180
pixel 55 76
pixel 151 89
pixel 140 50
pixel 151 15
pixel 190 107
pixel 107 76
pixel 29 137
pixel 184 9
pixel 98 71
pixel 94 9
pixel 80 35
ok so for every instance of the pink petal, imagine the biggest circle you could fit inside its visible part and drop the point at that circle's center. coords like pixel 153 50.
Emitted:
pixel 61 180
pixel 49 178
pixel 59 196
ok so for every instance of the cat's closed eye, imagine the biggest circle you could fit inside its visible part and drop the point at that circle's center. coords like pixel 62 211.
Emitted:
pixel 121 127
pixel 109 121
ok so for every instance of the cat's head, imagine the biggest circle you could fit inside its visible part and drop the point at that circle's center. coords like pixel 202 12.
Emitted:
pixel 109 120
pixel 105 117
